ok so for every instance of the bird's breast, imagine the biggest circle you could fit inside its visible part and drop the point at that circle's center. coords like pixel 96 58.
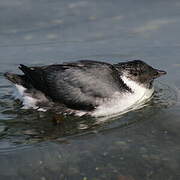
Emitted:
pixel 121 102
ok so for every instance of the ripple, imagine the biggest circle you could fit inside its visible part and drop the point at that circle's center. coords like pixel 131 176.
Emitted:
pixel 25 127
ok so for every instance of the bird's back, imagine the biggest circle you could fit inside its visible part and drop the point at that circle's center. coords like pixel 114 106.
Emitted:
pixel 78 85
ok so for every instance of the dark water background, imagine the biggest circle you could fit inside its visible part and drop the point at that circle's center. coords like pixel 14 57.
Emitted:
pixel 140 145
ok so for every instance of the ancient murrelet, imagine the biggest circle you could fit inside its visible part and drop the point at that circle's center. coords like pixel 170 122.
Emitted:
pixel 86 87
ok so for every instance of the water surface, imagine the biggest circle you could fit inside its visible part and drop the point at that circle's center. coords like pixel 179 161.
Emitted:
pixel 139 145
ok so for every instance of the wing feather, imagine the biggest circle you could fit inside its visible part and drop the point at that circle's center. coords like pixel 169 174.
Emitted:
pixel 78 85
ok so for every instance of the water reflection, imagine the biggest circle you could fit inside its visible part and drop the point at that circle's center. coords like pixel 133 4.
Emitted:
pixel 139 145
pixel 30 126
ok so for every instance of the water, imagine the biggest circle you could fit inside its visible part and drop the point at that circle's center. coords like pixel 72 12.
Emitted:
pixel 139 145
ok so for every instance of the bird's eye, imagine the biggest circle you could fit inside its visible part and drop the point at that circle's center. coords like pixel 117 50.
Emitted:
pixel 135 74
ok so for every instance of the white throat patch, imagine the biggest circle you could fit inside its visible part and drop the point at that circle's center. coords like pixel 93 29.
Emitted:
pixel 121 103
pixel 140 91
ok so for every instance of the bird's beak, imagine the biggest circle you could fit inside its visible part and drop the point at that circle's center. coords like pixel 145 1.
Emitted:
pixel 160 73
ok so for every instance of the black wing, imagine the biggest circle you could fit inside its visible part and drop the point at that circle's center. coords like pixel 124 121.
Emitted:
pixel 78 85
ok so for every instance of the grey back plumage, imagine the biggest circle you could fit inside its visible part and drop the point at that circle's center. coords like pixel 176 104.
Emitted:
pixel 84 84
pixel 77 85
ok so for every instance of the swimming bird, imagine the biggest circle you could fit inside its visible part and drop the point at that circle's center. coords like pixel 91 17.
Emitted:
pixel 86 87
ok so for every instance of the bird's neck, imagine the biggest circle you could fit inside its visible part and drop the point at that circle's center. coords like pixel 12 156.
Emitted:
pixel 133 85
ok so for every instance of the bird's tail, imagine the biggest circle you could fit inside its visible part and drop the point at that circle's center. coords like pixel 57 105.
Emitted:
pixel 16 78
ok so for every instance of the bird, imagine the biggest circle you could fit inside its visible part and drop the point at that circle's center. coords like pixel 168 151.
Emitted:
pixel 85 87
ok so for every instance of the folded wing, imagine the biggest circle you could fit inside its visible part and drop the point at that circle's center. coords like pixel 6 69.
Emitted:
pixel 79 85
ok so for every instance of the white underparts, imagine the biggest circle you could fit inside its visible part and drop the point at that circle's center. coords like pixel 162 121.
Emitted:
pixel 27 100
pixel 120 102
